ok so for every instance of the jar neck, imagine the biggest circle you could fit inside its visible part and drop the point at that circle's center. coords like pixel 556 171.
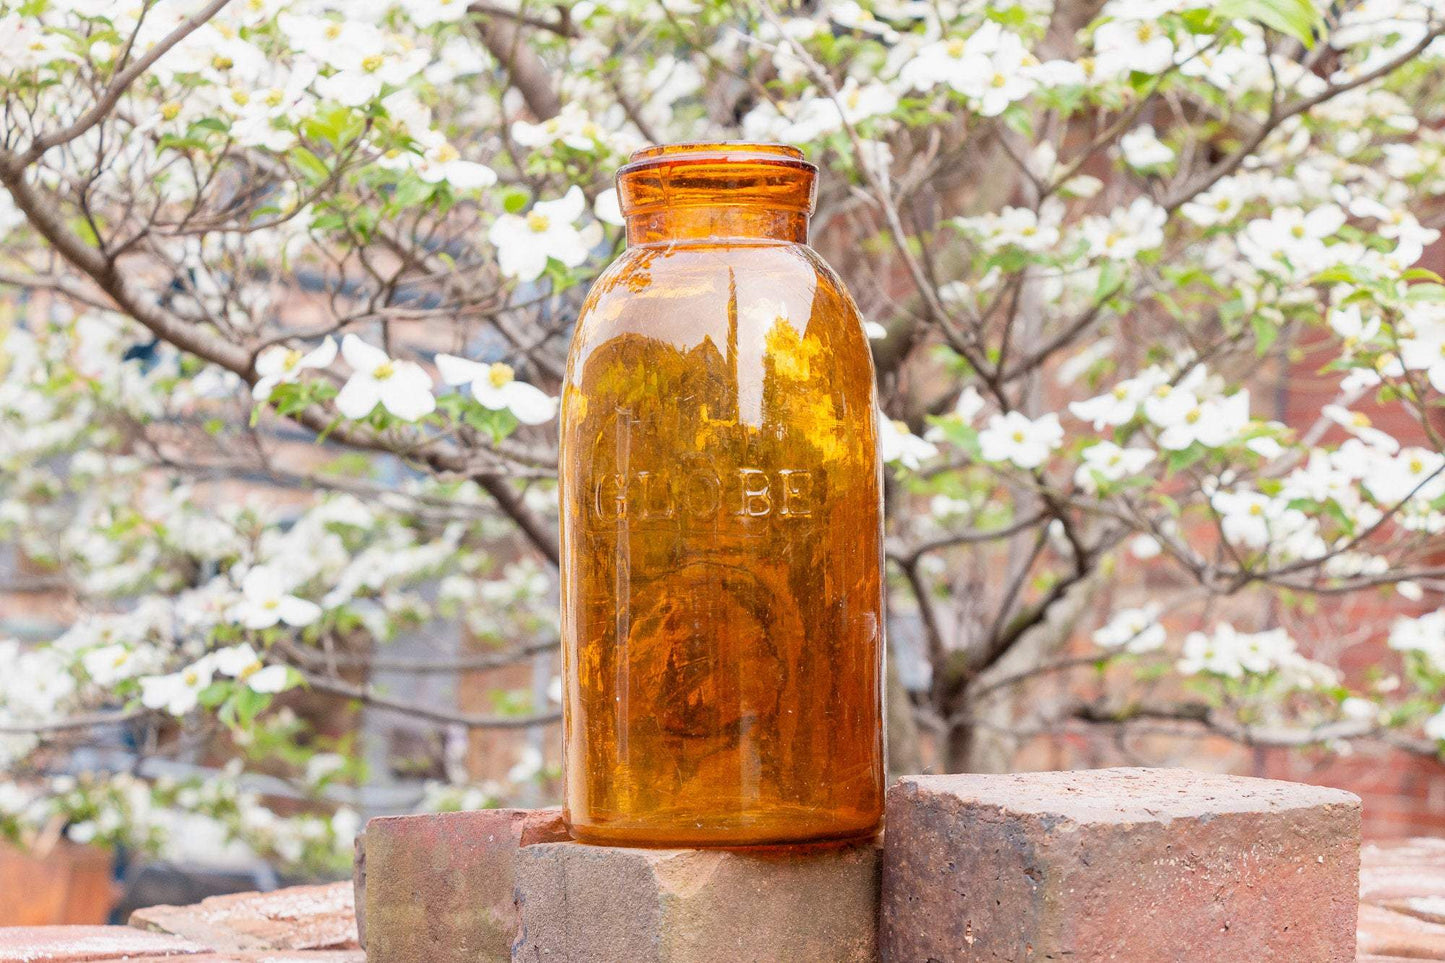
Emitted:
pixel 676 193
pixel 669 225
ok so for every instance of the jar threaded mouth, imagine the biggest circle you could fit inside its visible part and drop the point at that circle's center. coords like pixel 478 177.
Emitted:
pixel 740 189
pixel 717 152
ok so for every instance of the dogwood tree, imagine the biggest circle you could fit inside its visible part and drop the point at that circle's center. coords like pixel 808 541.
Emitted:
pixel 336 250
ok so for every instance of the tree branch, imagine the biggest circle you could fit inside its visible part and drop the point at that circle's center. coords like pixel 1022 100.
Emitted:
pixel 369 696
pixel 505 41
pixel 1285 737
pixel 121 83
pixel 43 211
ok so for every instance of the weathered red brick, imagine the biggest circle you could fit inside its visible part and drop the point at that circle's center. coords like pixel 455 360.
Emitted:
pixel 1402 852
pixel 1405 870
pixel 74 944
pixel 1431 909
pixel 255 956
pixel 358 885
pixel 590 904
pixel 1387 933
pixel 438 888
pixel 1119 864
pixel 296 918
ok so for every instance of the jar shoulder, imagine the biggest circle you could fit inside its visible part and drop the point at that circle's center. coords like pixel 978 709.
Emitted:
pixel 684 294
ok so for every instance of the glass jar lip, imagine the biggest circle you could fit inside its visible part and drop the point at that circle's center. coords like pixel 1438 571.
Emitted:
pixel 717 152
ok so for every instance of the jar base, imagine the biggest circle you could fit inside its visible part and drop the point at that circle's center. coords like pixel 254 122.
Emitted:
pixel 757 836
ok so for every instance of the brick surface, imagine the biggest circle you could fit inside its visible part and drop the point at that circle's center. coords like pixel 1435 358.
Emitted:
pixel 438 888
pixel 1119 864
pixel 297 918
pixel 1387 933
pixel 68 884
pixel 81 944
pixel 255 956
pixel 1431 909
pixel 593 904
pixel 1400 871
pixel 358 886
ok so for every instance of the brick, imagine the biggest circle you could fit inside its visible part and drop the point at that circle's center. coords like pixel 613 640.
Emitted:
pixel 74 944
pixel 1400 871
pixel 595 904
pixel 69 883
pixel 438 888
pixel 297 918
pixel 358 886
pixel 1424 851
pixel 1431 909
pixel 1119 864
pixel 1386 933
pixel 254 956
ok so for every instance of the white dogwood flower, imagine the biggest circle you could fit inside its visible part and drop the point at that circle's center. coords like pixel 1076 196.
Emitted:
pixel 1252 519
pixel 1127 231
pixel 441 162
pixel 547 232
pixel 241 663
pixel 1358 424
pixel 607 209
pixel 969 404
pixel 1435 726
pixel 1122 46
pixel 496 387
pixel 1108 462
pixel 1424 634
pixel 265 602
pixel 1424 350
pixel 178 692
pixel 1143 150
pixel 897 444
pixel 1133 630
pixel 991 68
pixel 994 72
pixel 280 364
pixel 428 13
pixel 401 387
pixel 1016 438
pixel 1412 473
pixel 1218 205
pixel 1290 237
pixel 1119 405
pixel 366 63
pixel 1229 652
pixel 1211 423
pixel 110 664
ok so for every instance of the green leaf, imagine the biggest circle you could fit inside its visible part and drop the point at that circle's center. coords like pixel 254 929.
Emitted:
pixel 1295 18
pixel 214 694
pixel 207 123
pixel 1425 292
pixel 1422 274
pixel 1265 333
pixel 514 200
pixel 962 436
pixel 412 191
pixel 311 164
pixel 1180 460
pixel 1112 275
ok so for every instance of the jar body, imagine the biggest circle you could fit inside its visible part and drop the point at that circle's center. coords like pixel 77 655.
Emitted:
pixel 722 617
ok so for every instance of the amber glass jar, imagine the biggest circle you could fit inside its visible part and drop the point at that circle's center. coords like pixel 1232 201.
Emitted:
pixel 722 616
